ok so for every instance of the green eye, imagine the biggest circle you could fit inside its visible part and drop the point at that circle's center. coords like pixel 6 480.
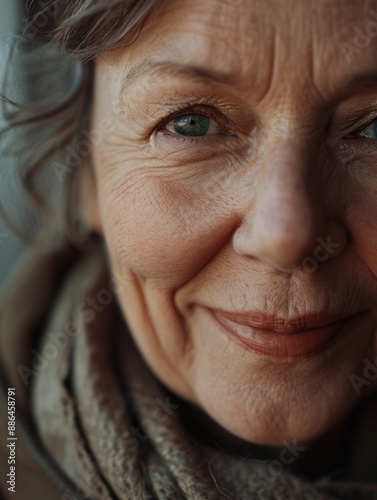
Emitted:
pixel 191 125
pixel 370 131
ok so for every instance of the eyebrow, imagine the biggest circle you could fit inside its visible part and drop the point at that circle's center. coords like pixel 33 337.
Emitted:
pixel 152 67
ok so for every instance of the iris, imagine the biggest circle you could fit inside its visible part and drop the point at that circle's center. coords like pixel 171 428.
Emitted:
pixel 370 131
pixel 191 125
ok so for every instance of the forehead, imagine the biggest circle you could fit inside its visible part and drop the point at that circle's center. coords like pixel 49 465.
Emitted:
pixel 264 43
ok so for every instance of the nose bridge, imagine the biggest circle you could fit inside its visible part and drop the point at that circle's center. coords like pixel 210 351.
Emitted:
pixel 284 185
pixel 280 175
pixel 287 212
pixel 285 200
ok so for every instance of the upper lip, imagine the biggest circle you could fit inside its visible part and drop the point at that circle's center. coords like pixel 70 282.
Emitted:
pixel 263 321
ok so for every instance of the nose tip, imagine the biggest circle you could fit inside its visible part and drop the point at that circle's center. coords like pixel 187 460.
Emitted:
pixel 281 251
pixel 299 242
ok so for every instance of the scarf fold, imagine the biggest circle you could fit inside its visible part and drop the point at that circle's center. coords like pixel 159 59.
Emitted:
pixel 116 432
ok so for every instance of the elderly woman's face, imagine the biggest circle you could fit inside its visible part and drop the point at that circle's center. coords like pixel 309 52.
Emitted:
pixel 237 194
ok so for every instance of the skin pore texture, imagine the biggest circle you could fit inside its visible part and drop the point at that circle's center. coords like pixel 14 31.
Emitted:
pixel 226 219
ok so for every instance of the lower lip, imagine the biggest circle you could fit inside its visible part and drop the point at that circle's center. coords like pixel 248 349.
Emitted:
pixel 299 345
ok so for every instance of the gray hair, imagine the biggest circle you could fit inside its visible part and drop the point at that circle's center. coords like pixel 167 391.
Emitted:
pixel 46 95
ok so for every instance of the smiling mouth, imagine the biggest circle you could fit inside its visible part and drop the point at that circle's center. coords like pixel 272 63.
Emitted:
pixel 295 339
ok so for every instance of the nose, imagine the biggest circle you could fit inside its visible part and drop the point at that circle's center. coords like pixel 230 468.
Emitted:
pixel 286 223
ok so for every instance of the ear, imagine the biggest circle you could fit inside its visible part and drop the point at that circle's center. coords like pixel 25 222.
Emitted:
pixel 88 198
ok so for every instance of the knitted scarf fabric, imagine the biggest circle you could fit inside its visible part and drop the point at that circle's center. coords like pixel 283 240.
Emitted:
pixel 114 430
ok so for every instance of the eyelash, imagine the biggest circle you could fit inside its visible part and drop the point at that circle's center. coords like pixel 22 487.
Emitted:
pixel 366 122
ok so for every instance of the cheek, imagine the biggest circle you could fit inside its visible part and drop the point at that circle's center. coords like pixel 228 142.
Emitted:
pixel 160 231
pixel 362 219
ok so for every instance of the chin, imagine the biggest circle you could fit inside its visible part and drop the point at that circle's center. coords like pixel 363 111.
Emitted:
pixel 274 424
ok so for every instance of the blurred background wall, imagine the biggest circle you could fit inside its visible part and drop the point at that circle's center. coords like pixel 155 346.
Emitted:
pixel 10 15
pixel 11 12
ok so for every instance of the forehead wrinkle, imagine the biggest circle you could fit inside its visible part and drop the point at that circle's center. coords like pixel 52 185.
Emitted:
pixel 316 52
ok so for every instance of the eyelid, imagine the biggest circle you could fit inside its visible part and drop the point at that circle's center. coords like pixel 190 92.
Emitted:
pixel 361 124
